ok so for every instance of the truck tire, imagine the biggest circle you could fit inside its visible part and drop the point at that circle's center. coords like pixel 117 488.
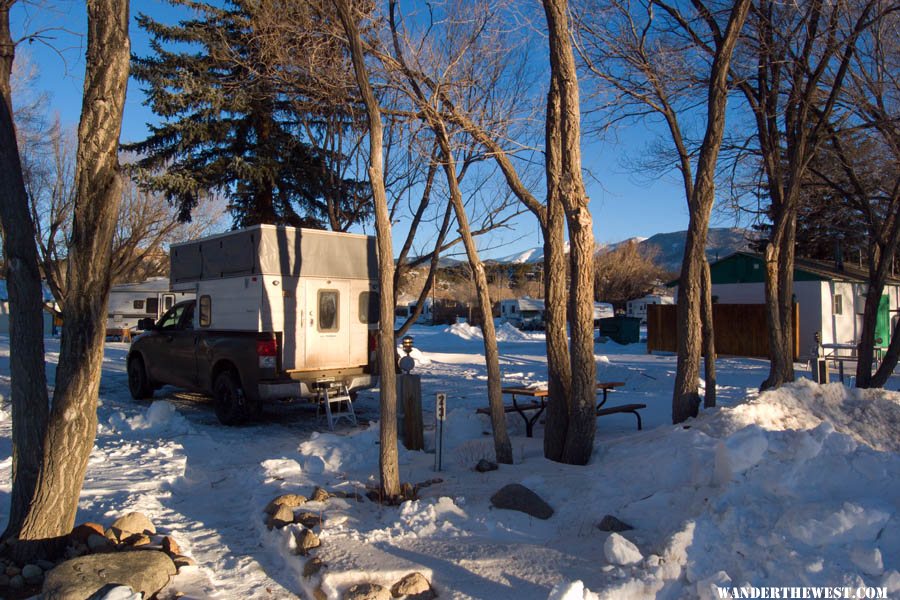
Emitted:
pixel 138 383
pixel 232 405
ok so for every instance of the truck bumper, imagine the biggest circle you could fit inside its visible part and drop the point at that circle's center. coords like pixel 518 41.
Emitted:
pixel 279 390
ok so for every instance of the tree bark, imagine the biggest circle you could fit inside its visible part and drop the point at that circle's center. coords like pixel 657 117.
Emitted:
pixel 570 189
pixel 388 459
pixel 28 393
pixel 73 418
pixel 709 338
pixel 559 368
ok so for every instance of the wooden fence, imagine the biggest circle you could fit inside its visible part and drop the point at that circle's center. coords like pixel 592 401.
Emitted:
pixel 740 329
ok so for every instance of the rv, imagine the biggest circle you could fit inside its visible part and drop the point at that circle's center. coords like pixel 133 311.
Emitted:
pixel 524 313
pixel 131 302
pixel 279 313
pixel 638 308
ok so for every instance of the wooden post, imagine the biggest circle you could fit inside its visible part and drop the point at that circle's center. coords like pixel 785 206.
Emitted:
pixel 409 393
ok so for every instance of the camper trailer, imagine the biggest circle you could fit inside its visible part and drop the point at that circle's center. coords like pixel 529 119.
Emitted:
pixel 279 313
pixel 524 313
pixel 637 308
pixel 131 302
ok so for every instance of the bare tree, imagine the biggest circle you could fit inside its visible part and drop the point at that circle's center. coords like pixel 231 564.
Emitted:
pixel 28 380
pixel 429 107
pixel 388 460
pixel 641 56
pixel 71 427
pixel 626 272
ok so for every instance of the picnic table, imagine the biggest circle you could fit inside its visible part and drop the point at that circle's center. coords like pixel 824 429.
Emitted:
pixel 539 402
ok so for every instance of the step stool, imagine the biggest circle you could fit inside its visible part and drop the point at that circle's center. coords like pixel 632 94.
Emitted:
pixel 336 402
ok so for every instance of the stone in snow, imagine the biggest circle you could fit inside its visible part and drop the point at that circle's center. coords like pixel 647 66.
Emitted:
pixel 367 591
pixel 415 586
pixel 132 523
pixel 144 571
pixel 516 496
pixel 619 551
pixel 289 500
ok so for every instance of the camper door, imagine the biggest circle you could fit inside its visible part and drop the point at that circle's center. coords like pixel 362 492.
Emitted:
pixel 327 323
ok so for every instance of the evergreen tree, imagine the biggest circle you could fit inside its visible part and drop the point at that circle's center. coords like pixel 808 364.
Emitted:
pixel 227 127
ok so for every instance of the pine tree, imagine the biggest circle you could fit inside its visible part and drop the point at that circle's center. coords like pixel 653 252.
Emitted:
pixel 227 127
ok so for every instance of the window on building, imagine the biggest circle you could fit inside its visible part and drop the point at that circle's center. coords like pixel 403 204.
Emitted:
pixel 138 305
pixel 328 310
pixel 205 311
pixel 837 307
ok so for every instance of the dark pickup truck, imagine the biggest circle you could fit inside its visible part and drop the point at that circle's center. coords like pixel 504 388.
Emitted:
pixel 239 369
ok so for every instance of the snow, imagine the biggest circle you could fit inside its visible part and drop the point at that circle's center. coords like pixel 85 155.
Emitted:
pixel 792 487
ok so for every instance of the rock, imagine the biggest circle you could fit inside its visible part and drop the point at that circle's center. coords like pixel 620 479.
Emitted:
pixel 283 516
pixel 610 523
pixel 306 541
pixel 619 551
pixel 115 535
pixel 17 582
pixel 33 574
pixel 485 465
pixel 313 566
pixel 83 532
pixel 319 495
pixel 183 561
pixel 289 500
pixel 308 519
pixel 144 571
pixel 170 546
pixel 137 539
pixel 99 543
pixel 134 522
pixel 45 565
pixel 414 586
pixel 12 571
pixel 518 497
pixel 367 591
pixel 75 550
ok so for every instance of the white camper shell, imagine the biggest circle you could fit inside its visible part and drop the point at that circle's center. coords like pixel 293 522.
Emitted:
pixel 131 302
pixel 315 290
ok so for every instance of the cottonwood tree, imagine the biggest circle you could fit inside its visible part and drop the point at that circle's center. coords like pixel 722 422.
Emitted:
pixel 28 385
pixel 388 459
pixel 50 511
pixel 791 77
pixel 626 272
pixel 453 72
pixel 639 54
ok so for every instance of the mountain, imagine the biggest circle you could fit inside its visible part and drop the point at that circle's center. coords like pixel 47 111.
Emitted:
pixel 721 242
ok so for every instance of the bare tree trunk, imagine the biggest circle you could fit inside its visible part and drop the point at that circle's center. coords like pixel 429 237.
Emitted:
pixel 889 363
pixel 388 459
pixel 709 338
pixel 570 190
pixel 779 301
pixel 23 279
pixel 73 418
pixel 502 445
pixel 559 368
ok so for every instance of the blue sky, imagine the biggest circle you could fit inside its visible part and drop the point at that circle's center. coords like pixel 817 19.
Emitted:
pixel 624 203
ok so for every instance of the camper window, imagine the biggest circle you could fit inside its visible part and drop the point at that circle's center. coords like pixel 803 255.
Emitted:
pixel 153 305
pixel 205 311
pixel 328 310
pixel 838 306
pixel 369 307
pixel 138 305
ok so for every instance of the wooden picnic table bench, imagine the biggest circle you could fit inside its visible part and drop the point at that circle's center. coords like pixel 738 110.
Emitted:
pixel 540 403
pixel 123 333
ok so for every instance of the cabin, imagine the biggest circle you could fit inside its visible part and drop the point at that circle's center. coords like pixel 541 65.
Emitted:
pixel 316 290
pixel 524 313
pixel 131 302
pixel 830 298
pixel 637 308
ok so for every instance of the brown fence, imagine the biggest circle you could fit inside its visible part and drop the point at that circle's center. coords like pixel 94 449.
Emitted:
pixel 740 329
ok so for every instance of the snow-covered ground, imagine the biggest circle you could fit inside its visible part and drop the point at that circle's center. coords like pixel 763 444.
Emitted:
pixel 797 487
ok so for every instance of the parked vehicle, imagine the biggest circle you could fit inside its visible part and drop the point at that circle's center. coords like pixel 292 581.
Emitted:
pixel 279 313
pixel 131 302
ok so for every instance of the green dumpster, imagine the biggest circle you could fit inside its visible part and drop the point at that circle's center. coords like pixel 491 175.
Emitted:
pixel 623 330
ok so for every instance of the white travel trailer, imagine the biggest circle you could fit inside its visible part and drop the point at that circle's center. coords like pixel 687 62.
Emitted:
pixel 314 291
pixel 638 307
pixel 130 302
pixel 525 313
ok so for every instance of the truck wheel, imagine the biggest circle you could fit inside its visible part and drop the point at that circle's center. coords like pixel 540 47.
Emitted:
pixel 232 406
pixel 138 383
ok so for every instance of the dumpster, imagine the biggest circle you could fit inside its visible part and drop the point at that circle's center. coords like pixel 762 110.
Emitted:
pixel 623 330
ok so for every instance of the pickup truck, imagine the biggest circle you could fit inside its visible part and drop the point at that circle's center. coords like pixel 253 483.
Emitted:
pixel 239 369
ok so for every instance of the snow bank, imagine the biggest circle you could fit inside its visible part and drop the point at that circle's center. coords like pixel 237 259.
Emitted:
pixel 465 331
pixel 161 417
pixel 505 332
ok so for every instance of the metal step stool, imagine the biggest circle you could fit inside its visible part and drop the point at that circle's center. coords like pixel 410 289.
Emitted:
pixel 336 402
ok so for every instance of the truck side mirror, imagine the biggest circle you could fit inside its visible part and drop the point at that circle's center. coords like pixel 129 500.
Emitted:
pixel 145 324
